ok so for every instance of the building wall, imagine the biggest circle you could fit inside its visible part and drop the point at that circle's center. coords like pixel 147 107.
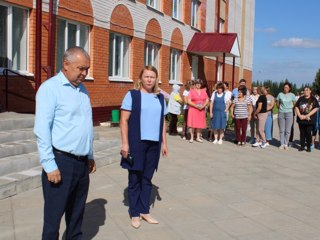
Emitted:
pixel 141 23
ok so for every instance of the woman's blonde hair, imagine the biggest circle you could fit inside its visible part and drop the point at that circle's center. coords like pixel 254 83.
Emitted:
pixel 138 84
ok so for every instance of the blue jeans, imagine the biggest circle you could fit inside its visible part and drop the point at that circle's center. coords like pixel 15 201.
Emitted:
pixel 269 127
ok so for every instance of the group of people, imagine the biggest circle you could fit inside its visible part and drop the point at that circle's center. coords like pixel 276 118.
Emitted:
pixel 253 109
pixel 64 131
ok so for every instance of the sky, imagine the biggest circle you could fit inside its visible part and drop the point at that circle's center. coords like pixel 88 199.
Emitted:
pixel 286 40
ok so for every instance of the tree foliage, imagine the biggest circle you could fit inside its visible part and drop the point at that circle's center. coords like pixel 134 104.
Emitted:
pixel 316 83
pixel 275 87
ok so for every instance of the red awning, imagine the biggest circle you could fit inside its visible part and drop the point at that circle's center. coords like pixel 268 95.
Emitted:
pixel 214 44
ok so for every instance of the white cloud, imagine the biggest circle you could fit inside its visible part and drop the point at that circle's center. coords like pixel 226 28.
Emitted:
pixel 266 30
pixel 298 43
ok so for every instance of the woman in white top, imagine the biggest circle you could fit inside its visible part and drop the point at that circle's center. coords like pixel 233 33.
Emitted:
pixel 253 122
pixel 185 94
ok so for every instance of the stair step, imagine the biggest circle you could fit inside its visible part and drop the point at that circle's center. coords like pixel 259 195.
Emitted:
pixel 23 161
pixel 16 135
pixel 17 148
pixel 18 182
pixel 12 121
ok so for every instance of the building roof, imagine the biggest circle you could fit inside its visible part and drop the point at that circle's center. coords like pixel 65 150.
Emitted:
pixel 214 44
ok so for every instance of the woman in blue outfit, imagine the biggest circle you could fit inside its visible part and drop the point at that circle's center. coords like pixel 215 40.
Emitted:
pixel 219 106
pixel 143 133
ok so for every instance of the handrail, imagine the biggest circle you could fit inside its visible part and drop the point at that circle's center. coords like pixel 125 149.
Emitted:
pixel 5 73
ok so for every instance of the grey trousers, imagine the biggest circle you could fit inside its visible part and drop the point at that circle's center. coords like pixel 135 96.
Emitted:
pixel 285 123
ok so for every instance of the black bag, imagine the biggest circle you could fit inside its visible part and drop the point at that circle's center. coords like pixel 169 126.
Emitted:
pixel 128 159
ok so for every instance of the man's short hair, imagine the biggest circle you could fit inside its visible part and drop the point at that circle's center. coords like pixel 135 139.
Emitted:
pixel 69 54
pixel 242 80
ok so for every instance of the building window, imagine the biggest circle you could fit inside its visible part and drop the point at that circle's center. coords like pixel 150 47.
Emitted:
pixel 119 57
pixel 154 4
pixel 13 38
pixel 194 13
pixel 175 66
pixel 176 9
pixel 70 34
pixel 152 55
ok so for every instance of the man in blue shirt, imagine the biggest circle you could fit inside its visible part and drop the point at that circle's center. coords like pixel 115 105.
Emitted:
pixel 64 131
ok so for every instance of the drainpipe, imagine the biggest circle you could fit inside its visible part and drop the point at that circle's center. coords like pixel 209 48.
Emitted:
pixel 218 30
pixel 50 30
pixel 223 66
pixel 233 67
pixel 38 44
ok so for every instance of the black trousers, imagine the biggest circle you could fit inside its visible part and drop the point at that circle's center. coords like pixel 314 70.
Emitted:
pixel 69 197
pixel 305 135
pixel 173 124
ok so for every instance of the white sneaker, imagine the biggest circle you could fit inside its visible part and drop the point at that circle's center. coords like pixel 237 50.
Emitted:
pixel 220 141
pixel 263 145
pixel 215 141
pixel 285 147
pixel 281 147
pixel 256 144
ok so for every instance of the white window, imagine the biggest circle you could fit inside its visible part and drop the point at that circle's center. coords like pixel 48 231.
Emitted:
pixel 194 67
pixel 152 55
pixel 154 4
pixel 70 34
pixel 13 38
pixel 177 9
pixel 194 13
pixel 119 57
pixel 175 66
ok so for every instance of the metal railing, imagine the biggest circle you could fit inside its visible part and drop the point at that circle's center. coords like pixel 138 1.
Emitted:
pixel 6 74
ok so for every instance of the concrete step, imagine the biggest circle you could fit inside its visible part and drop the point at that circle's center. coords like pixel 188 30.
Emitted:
pixel 15 161
pixel 13 121
pixel 16 135
pixel 17 148
pixel 21 181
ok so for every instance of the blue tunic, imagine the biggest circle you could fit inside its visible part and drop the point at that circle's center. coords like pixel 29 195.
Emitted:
pixel 219 119
pixel 134 132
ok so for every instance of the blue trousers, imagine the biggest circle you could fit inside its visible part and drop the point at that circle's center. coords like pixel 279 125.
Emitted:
pixel 139 182
pixel 69 197
pixel 269 127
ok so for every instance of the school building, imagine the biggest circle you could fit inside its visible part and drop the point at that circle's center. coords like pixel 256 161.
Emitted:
pixel 185 39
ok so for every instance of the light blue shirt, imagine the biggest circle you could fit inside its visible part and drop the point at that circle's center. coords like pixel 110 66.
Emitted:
pixel 63 120
pixel 150 114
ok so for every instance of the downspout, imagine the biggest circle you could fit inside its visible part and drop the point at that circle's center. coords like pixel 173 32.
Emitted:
pixel 223 66
pixel 38 44
pixel 218 30
pixel 233 67
pixel 50 30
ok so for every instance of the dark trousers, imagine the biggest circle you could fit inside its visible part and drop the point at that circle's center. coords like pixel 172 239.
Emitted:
pixel 173 123
pixel 69 197
pixel 305 135
pixel 292 129
pixel 139 182
pixel 241 129
pixel 185 121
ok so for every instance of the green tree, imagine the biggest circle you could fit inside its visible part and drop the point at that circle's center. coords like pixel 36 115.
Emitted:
pixel 316 83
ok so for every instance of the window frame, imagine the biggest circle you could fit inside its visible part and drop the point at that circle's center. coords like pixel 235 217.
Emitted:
pixel 178 15
pixel 156 5
pixel 175 57
pixel 78 35
pixel 194 19
pixel 125 40
pixel 9 40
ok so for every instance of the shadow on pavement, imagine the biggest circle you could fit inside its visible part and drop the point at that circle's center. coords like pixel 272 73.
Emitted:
pixel 94 217
pixel 155 195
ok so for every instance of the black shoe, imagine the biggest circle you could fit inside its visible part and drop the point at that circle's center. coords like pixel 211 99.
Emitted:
pixel 301 149
pixel 308 150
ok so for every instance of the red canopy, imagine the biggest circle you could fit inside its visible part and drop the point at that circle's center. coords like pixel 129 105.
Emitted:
pixel 214 44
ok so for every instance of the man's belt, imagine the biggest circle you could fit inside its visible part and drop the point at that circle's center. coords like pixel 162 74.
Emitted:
pixel 70 155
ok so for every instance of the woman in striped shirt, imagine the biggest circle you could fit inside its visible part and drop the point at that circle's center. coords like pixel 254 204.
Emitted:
pixel 241 110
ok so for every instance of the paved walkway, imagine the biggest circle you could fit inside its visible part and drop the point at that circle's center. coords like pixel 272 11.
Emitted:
pixel 202 191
